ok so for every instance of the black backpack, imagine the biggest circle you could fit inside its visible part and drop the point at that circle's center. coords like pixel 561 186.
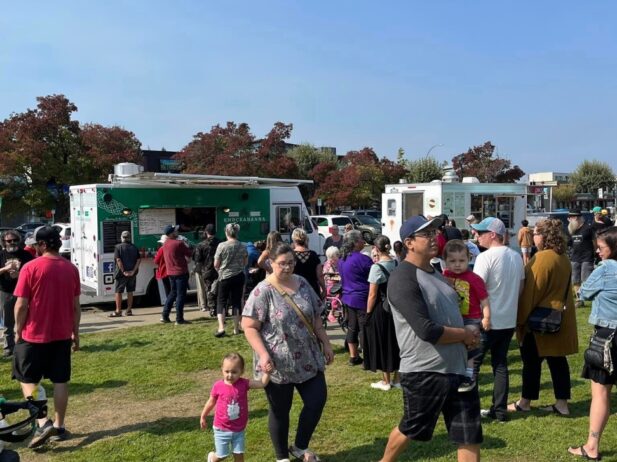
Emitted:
pixel 385 304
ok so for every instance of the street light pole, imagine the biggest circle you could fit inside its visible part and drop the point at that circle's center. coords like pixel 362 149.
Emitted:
pixel 431 148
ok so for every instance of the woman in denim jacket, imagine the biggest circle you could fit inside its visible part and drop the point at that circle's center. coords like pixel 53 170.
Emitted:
pixel 601 288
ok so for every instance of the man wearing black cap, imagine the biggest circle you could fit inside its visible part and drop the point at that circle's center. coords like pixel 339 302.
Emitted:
pixel 433 348
pixel 205 274
pixel 12 258
pixel 47 315
pixel 583 243
pixel 176 254
pixel 126 255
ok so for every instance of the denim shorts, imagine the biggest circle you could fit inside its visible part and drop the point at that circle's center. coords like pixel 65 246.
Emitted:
pixel 224 440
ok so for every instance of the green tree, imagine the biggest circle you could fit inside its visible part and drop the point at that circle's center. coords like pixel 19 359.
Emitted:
pixel 564 193
pixel 591 175
pixel 308 156
pixel 424 170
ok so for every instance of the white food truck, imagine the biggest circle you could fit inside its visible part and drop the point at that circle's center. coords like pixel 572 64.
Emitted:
pixel 507 201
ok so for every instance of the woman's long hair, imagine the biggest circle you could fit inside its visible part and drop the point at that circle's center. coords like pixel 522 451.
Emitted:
pixel 274 237
pixel 350 240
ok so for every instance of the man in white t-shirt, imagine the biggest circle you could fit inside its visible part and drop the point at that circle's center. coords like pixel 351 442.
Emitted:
pixel 503 272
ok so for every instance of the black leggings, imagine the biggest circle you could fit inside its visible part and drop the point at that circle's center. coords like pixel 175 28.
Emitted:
pixel 280 396
pixel 230 290
pixel 532 368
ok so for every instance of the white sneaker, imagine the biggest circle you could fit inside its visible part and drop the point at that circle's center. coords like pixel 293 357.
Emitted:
pixel 210 456
pixel 283 460
pixel 381 385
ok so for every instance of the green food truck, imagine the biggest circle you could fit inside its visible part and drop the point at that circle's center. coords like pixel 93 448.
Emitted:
pixel 145 202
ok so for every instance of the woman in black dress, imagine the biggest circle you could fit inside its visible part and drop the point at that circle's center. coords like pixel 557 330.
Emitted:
pixel 380 347
pixel 308 264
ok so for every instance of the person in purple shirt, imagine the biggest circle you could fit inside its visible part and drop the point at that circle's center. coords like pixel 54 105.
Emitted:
pixel 354 268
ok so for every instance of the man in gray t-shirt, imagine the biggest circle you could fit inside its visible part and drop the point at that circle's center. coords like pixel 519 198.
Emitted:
pixel 433 342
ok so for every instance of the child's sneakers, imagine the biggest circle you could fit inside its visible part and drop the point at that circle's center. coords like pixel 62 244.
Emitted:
pixel 210 456
pixel 332 318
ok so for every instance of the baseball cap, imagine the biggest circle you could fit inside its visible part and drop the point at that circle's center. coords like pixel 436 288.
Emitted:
pixel 491 224
pixel 470 217
pixel 46 233
pixel 604 212
pixel 30 240
pixel 169 229
pixel 418 223
pixel 163 238
pixel 596 209
pixel 574 213
pixel 125 234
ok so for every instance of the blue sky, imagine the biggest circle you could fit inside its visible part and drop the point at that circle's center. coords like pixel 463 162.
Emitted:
pixel 538 79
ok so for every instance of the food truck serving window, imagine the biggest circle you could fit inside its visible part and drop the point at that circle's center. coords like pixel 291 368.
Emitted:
pixel 491 205
pixel 287 218
pixel 111 234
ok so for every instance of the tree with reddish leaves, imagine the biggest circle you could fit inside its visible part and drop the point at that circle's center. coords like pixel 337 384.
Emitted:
pixel 43 151
pixel 104 147
pixel 359 180
pixel 478 161
pixel 234 150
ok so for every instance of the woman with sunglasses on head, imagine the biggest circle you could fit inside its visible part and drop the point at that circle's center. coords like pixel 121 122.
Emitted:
pixel 601 289
pixel 282 323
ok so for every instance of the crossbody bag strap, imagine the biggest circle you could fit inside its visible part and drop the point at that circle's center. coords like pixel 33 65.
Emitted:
pixel 565 301
pixel 297 309
pixel 383 268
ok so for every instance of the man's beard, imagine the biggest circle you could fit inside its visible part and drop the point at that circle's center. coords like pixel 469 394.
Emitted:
pixel 573 226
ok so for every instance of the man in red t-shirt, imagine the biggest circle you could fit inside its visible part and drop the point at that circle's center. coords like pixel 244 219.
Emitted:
pixel 176 254
pixel 47 315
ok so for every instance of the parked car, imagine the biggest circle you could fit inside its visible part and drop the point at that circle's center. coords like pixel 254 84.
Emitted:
pixel 368 225
pixel 29 227
pixel 371 212
pixel 65 235
pixel 325 223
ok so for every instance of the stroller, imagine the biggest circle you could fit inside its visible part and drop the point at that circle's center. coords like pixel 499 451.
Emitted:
pixel 334 312
pixel 21 430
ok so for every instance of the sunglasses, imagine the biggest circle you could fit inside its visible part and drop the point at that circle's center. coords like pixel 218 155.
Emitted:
pixel 11 241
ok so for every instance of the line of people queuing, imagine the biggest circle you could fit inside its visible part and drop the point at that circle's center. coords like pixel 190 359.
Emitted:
pixel 428 332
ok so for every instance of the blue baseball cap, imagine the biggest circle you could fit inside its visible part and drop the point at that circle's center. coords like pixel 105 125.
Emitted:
pixel 418 223
pixel 170 229
pixel 491 224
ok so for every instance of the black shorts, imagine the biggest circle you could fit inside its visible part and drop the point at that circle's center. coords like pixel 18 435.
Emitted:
pixel 428 394
pixel 128 283
pixel 33 361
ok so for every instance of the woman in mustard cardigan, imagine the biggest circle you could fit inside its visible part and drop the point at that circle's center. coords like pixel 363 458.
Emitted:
pixel 547 278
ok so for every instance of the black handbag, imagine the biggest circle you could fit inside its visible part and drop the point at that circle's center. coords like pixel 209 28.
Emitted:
pixel 598 354
pixel 544 320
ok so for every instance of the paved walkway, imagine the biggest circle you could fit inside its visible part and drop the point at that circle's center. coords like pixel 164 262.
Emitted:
pixel 96 319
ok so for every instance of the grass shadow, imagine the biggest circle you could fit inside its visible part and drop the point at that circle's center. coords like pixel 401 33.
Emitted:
pixel 113 346
pixel 76 388
pixel 439 446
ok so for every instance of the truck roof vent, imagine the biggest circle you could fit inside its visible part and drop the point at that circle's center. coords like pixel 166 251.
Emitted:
pixel 450 176
pixel 470 179
pixel 127 169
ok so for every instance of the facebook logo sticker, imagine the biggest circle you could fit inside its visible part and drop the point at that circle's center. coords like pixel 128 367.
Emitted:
pixel 108 267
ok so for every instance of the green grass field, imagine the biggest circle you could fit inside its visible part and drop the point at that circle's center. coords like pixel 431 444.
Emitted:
pixel 136 395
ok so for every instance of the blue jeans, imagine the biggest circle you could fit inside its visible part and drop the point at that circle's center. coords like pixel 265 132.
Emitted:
pixel 179 286
pixel 497 341
pixel 224 440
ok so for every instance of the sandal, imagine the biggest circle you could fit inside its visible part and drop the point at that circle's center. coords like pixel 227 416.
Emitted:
pixel 305 455
pixel 129 313
pixel 115 314
pixel 583 453
pixel 517 407
pixel 552 408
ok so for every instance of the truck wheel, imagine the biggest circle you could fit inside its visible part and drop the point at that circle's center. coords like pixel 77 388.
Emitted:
pixel 151 297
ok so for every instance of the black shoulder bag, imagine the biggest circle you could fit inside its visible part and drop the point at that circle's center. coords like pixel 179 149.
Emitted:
pixel 385 304
pixel 544 320
pixel 598 354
